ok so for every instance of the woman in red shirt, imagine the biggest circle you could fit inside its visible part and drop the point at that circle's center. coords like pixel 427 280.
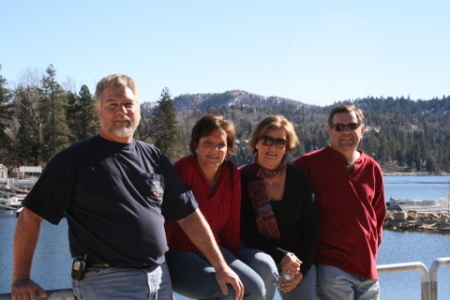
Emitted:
pixel 216 186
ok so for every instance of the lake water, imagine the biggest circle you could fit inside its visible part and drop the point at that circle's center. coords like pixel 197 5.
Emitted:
pixel 52 261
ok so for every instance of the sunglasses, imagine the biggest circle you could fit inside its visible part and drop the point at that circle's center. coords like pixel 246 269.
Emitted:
pixel 341 127
pixel 269 141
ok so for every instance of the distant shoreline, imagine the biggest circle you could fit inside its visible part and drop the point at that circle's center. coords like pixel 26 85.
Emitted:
pixel 415 174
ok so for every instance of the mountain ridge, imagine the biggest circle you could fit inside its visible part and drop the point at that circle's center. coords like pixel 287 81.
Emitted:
pixel 401 134
pixel 202 101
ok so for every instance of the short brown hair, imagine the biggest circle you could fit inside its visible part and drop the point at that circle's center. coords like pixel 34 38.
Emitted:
pixel 346 109
pixel 270 123
pixel 206 125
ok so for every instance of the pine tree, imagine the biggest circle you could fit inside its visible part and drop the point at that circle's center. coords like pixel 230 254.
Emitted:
pixel 5 98
pixel 71 116
pixel 5 104
pixel 81 116
pixel 5 116
pixel 164 129
pixel 55 129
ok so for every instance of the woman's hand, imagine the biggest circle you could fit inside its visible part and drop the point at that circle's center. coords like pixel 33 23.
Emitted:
pixel 290 264
pixel 288 286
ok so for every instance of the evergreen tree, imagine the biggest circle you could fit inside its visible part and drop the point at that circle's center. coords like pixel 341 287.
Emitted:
pixel 402 135
pixel 54 101
pixel 164 129
pixel 5 111
pixel 81 116
pixel 88 118
pixel 5 116
pixel 71 116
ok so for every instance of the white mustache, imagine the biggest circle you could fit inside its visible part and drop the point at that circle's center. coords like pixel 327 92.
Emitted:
pixel 127 118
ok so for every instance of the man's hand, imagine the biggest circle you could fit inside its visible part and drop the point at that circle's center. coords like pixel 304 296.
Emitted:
pixel 227 276
pixel 24 289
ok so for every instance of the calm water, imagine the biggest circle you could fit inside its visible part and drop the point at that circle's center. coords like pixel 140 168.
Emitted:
pixel 52 262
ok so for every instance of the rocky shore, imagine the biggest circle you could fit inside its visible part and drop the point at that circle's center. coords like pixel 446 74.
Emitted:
pixel 419 221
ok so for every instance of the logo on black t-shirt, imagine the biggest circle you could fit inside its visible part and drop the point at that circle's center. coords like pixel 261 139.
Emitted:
pixel 156 188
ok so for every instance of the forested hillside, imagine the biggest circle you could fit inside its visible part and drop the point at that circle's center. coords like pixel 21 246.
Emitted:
pixel 39 118
pixel 401 134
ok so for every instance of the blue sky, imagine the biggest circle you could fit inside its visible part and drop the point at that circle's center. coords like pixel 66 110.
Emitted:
pixel 316 52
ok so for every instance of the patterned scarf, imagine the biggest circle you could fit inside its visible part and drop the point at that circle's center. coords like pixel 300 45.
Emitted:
pixel 265 218
pixel 266 173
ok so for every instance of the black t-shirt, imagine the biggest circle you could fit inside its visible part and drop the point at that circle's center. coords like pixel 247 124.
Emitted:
pixel 116 198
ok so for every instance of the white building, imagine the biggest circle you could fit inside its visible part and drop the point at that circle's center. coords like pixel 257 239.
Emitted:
pixel 3 172
pixel 30 171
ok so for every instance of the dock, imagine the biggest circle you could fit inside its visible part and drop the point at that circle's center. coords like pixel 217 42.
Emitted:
pixel 422 206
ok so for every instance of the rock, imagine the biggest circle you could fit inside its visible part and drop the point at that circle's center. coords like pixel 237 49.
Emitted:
pixel 413 220
pixel 412 215
pixel 388 217
pixel 400 216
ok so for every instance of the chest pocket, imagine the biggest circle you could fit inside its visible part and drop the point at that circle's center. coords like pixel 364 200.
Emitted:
pixel 155 184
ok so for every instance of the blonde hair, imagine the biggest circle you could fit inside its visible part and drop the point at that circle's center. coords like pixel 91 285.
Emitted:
pixel 270 123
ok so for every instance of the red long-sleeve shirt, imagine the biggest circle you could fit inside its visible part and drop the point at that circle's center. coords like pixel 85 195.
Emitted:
pixel 351 210
pixel 221 209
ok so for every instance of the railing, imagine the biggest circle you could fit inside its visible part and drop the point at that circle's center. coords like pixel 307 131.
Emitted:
pixel 425 286
pixel 429 285
pixel 66 294
pixel 433 275
pixel 428 280
pixel 3 206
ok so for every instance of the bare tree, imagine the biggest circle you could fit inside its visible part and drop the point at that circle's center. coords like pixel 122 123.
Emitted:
pixel 26 126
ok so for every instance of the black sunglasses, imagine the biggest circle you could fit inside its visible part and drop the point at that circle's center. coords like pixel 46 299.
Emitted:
pixel 350 126
pixel 269 141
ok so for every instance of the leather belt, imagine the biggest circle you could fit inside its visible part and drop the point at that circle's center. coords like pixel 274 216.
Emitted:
pixel 98 265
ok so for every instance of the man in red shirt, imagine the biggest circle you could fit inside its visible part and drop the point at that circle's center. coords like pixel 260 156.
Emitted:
pixel 349 191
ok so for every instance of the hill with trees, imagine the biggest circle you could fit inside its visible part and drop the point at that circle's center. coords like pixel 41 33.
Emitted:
pixel 39 118
pixel 403 135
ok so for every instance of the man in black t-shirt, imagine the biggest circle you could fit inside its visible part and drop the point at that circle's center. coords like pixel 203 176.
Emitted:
pixel 116 193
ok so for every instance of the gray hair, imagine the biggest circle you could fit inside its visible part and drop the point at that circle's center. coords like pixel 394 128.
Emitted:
pixel 116 81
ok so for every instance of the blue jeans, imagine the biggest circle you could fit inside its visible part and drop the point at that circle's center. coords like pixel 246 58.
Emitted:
pixel 335 284
pixel 264 265
pixel 193 276
pixel 124 283
pixel 305 290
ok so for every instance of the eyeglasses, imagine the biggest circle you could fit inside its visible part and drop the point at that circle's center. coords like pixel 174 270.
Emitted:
pixel 269 141
pixel 350 126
